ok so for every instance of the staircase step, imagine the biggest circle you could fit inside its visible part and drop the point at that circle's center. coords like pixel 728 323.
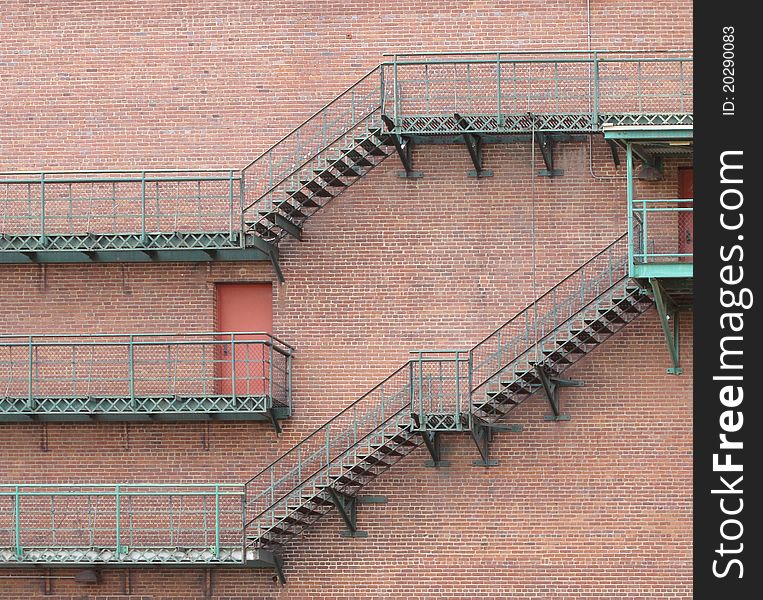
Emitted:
pixel 347 170
pixel 290 210
pixel 315 187
pixel 611 315
pixel 597 326
pixel 357 158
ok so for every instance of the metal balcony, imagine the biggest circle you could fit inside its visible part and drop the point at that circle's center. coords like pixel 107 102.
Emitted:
pixel 145 377
pixel 129 216
pixel 127 524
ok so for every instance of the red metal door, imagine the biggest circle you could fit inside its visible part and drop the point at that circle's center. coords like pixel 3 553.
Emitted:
pixel 686 218
pixel 243 307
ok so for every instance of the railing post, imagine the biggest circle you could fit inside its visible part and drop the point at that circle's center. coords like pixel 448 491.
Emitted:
pixel 242 203
pixel 629 197
pixel 421 389
pixel 233 365
pixel 43 237
pixel 231 237
pixel 470 382
pixel 131 369
pixel 395 93
pixel 596 90
pixel 498 88
pixel 143 206
pixel 288 381
pixel 382 89
pixel 270 371
pixel 30 382
pixel 118 517
pixel 328 443
pixel 17 521
pixel 217 520
pixel 458 389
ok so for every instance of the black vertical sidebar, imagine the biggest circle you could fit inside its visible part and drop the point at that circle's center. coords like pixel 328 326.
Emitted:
pixel 727 111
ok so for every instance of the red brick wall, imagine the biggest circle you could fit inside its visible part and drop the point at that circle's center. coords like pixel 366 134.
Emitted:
pixel 596 507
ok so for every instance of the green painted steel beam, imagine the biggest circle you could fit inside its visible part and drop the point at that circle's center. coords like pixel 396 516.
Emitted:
pixel 662 271
pixel 668 313
pixel 656 134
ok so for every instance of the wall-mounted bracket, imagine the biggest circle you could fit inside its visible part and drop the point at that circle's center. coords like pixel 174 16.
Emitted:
pixel 546 146
pixel 615 153
pixel 274 420
pixel 668 312
pixel 474 146
pixel 432 442
pixel 348 510
pixel 404 147
pixel 482 435
pixel 273 255
pixel 551 386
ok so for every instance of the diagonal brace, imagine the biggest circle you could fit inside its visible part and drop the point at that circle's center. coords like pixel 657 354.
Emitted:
pixel 348 509
pixel 551 387
pixel 482 436
pixel 474 146
pixel 668 312
pixel 404 147
pixel 546 146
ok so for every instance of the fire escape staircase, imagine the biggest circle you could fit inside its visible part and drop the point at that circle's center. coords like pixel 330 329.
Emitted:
pixel 439 392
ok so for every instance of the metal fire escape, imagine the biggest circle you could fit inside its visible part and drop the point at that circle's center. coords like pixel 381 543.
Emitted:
pixel 467 99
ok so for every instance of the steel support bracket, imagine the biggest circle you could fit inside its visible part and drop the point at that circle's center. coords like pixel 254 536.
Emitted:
pixel 278 566
pixel 273 255
pixel 474 146
pixel 274 420
pixel 482 435
pixel 615 153
pixel 546 146
pixel 404 147
pixel 432 442
pixel 348 510
pixel 551 386
pixel 668 312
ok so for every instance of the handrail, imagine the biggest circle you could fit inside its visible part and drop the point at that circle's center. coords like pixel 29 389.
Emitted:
pixel 551 289
pixel 526 52
pixel 328 423
pixel 313 116
pixel 27 336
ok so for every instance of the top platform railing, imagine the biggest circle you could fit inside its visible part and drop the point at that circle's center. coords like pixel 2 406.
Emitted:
pixel 505 92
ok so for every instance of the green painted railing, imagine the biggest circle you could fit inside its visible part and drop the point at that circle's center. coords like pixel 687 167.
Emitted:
pixel 121 523
pixel 201 208
pixel 545 91
pixel 662 230
pixel 144 373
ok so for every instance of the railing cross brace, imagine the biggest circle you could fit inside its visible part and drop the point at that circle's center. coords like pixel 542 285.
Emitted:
pixel 404 147
pixel 546 146
pixel 348 510
pixel 551 385
pixel 668 312
pixel 474 146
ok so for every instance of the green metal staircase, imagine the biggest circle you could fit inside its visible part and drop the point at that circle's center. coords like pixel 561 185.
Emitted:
pixel 438 392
